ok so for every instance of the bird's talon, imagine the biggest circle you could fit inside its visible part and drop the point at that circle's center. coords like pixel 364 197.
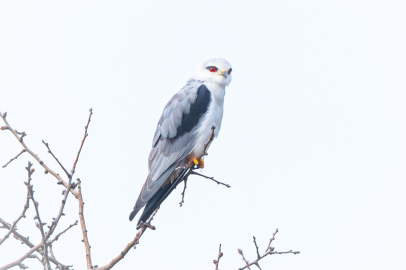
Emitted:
pixel 199 163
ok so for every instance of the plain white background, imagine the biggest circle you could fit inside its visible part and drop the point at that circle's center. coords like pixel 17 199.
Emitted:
pixel 312 141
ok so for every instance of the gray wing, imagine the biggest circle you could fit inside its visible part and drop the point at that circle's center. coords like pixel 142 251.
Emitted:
pixel 174 137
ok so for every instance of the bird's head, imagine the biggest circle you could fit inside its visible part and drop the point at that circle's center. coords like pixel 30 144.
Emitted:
pixel 216 70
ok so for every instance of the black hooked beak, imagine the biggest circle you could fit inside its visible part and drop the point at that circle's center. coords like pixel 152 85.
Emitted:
pixel 224 74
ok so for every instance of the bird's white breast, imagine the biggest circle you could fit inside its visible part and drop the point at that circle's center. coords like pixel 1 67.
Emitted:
pixel 213 117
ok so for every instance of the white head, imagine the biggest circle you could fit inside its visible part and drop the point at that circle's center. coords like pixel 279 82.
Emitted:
pixel 216 70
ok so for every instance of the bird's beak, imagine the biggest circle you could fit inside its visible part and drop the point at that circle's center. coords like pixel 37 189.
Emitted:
pixel 224 73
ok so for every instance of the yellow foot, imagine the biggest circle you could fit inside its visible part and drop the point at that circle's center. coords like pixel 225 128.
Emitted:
pixel 199 162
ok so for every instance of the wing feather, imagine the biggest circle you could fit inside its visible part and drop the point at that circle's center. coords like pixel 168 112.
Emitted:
pixel 175 137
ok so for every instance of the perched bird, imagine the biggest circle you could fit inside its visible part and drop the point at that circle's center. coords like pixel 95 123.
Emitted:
pixel 183 130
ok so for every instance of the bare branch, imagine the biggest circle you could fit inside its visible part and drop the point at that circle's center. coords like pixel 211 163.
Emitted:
pixel 64 231
pixel 83 141
pixel 245 260
pixel 22 258
pixel 22 151
pixel 47 169
pixel 18 236
pixel 207 144
pixel 183 192
pixel 269 251
pixel 216 262
pixel 26 206
pixel 40 225
pixel 55 220
pixel 256 247
pixel 192 167
pixel 35 257
pixel 70 188
pixel 26 241
pixel 57 160
pixel 211 178
pixel 133 243
pixel 23 134
pixel 83 225
pixel 270 241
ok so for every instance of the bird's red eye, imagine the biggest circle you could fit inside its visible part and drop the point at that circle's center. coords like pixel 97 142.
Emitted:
pixel 212 69
pixel 229 71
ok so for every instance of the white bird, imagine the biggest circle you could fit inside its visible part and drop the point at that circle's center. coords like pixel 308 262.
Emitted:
pixel 183 130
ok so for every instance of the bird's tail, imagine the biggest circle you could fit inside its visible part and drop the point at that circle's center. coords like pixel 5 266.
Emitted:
pixel 160 196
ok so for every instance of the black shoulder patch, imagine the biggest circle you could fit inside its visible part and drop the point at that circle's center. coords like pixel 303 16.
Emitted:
pixel 197 109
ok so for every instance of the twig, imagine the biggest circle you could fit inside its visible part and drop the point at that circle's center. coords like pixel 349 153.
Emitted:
pixel 22 258
pixel 35 257
pixel 22 151
pixel 133 243
pixel 83 225
pixel 256 247
pixel 183 193
pixel 51 251
pixel 62 232
pixel 60 213
pixel 83 141
pixel 47 169
pixel 269 251
pixel 207 144
pixel 23 134
pixel 18 236
pixel 26 241
pixel 192 167
pixel 245 260
pixel 270 241
pixel 211 178
pixel 57 160
pixel 40 224
pixel 56 220
pixel 26 206
pixel 80 199
pixel 216 262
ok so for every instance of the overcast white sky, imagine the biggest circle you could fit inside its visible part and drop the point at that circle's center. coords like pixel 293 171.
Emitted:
pixel 312 141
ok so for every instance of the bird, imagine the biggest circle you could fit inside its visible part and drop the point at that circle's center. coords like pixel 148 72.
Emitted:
pixel 182 132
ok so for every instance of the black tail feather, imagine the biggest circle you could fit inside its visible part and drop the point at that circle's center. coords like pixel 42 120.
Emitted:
pixel 158 198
